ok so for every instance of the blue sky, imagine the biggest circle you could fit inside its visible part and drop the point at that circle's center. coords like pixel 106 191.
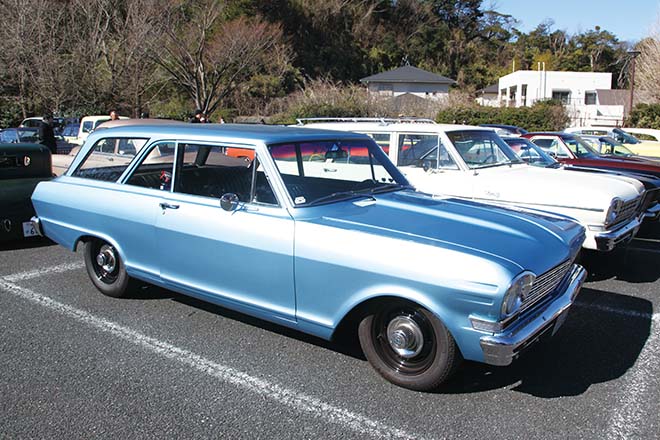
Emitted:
pixel 629 20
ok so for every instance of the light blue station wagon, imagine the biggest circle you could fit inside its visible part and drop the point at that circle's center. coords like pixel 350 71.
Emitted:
pixel 313 230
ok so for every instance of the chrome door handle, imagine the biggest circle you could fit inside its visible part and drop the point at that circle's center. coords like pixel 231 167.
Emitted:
pixel 330 170
pixel 168 206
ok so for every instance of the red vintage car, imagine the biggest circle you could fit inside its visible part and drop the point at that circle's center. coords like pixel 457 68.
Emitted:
pixel 570 149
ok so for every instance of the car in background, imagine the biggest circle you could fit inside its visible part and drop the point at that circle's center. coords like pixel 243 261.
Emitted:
pixel 644 134
pixel 505 130
pixel 422 282
pixel 570 149
pixel 642 148
pixel 474 163
pixel 31 135
pixel 88 124
pixel 536 156
pixel 19 135
pixel 35 122
pixel 607 145
pixel 70 132
pixel 22 167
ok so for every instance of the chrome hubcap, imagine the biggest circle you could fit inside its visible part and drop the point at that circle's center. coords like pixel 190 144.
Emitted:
pixel 405 336
pixel 106 258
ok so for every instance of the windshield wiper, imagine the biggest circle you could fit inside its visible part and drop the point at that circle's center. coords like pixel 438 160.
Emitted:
pixel 341 195
pixel 388 187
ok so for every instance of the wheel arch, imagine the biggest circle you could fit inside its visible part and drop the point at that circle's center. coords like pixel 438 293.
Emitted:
pixel 346 329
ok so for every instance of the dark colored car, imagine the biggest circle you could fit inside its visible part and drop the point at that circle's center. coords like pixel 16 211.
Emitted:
pixel 22 167
pixel 31 135
pixel 18 135
pixel 506 130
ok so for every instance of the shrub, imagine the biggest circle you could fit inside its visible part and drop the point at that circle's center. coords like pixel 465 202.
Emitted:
pixel 542 116
pixel 645 116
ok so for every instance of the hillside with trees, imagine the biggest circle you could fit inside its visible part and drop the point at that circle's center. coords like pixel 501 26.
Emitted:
pixel 246 57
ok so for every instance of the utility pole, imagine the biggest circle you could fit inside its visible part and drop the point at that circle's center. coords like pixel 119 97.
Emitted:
pixel 633 54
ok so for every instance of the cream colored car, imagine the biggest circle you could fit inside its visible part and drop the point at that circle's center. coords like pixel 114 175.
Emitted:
pixel 475 163
pixel 626 136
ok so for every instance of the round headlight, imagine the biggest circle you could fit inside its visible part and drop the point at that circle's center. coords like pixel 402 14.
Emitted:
pixel 615 207
pixel 519 289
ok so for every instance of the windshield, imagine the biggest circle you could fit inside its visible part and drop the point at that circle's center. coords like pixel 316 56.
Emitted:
pixel 482 148
pixel 610 146
pixel 625 137
pixel 579 147
pixel 326 171
pixel 530 152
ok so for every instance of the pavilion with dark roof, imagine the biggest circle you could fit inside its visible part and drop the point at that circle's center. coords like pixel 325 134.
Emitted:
pixel 409 80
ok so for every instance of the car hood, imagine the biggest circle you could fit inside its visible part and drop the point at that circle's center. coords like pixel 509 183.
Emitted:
pixel 545 187
pixel 520 238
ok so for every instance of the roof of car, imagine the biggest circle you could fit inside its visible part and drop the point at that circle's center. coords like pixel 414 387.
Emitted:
pixel 414 127
pixel 240 132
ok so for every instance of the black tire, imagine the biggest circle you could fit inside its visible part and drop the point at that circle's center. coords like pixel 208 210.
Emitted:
pixel 421 367
pixel 110 278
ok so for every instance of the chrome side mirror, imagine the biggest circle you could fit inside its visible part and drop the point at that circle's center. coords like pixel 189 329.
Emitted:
pixel 229 201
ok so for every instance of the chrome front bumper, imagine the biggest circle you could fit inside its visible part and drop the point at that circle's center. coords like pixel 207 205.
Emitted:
pixel 503 348
pixel 606 241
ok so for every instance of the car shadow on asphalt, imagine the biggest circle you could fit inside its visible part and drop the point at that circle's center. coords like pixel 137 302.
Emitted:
pixel 598 343
pixel 30 243
pixel 345 343
pixel 638 262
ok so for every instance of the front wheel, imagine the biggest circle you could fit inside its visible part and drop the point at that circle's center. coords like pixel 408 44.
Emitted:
pixel 106 268
pixel 408 345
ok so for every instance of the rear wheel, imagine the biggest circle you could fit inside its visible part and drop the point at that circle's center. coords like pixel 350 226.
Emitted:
pixel 106 268
pixel 408 345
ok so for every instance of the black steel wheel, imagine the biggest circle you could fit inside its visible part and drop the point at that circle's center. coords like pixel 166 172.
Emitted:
pixel 408 345
pixel 106 269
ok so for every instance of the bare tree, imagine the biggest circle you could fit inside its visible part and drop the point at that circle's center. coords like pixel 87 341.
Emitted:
pixel 647 76
pixel 209 57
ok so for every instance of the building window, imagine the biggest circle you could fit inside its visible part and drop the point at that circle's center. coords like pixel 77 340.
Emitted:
pixel 523 93
pixel 564 96
pixel 590 98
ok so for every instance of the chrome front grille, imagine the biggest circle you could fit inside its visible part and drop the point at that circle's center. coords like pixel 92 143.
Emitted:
pixel 628 211
pixel 545 284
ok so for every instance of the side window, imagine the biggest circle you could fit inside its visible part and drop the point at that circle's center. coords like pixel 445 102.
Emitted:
pixel 156 169
pixel 212 171
pixel 383 141
pixel 105 161
pixel 87 126
pixel 414 147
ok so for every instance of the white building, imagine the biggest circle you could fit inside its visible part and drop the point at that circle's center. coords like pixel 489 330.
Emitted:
pixel 408 80
pixel 586 95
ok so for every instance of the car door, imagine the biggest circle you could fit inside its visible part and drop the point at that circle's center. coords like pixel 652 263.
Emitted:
pixel 241 256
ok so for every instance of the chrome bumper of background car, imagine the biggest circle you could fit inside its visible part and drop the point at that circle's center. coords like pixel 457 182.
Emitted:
pixel 503 348
pixel 36 223
pixel 653 213
pixel 606 241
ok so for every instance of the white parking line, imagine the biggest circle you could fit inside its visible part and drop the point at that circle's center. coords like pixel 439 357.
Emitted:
pixel 287 397
pixel 623 424
pixel 636 399
pixel 40 272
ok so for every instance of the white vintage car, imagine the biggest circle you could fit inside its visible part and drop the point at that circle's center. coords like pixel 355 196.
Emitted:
pixel 474 163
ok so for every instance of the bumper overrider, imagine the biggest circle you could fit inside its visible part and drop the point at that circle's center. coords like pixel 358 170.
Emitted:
pixel 36 224
pixel 606 241
pixel 503 348
pixel 652 213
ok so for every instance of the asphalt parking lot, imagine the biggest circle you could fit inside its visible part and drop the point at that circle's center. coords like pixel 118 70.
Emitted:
pixel 77 364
